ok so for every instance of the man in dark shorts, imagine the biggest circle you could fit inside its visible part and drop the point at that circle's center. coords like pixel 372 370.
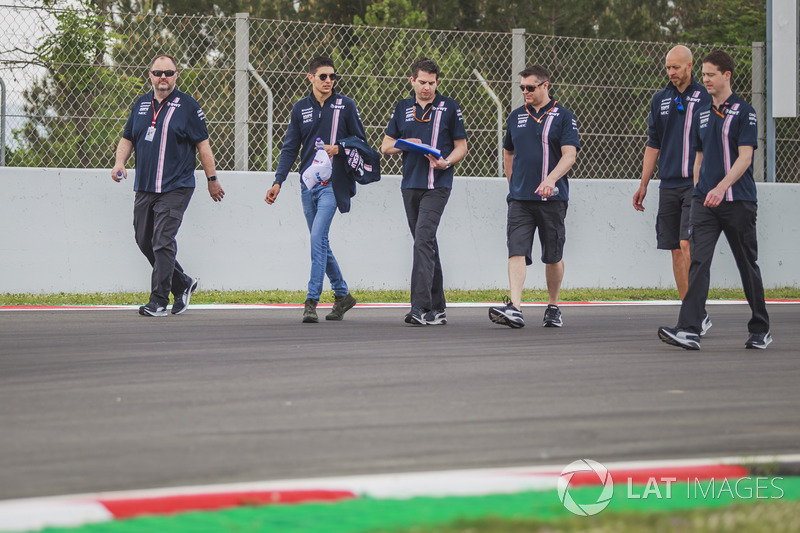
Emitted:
pixel 540 147
pixel 669 143
pixel 725 135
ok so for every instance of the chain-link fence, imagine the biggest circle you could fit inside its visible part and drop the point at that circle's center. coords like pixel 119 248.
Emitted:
pixel 72 77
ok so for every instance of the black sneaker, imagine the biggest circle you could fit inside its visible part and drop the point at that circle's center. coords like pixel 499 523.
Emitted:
pixel 341 305
pixel 508 315
pixel 436 317
pixel 310 312
pixel 679 337
pixel 415 317
pixel 152 309
pixel 181 302
pixel 705 325
pixel 758 341
pixel 552 317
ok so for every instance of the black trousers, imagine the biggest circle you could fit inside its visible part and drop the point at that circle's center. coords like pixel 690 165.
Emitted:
pixel 737 220
pixel 157 218
pixel 424 208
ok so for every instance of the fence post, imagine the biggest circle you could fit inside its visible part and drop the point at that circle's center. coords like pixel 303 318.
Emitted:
pixel 3 124
pixel 760 105
pixel 241 102
pixel 517 64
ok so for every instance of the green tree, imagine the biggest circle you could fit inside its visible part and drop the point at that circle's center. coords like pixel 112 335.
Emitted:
pixel 730 22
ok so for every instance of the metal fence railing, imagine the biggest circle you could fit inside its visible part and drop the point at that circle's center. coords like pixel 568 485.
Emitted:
pixel 72 77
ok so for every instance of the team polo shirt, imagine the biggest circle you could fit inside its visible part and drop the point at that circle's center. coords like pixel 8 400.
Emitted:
pixel 718 134
pixel 168 161
pixel 336 119
pixel 669 131
pixel 536 140
pixel 438 124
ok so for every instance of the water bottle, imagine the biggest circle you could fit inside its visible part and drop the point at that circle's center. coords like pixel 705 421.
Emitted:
pixel 555 192
pixel 319 145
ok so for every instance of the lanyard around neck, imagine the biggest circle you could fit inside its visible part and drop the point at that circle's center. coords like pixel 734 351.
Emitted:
pixel 156 113
pixel 539 120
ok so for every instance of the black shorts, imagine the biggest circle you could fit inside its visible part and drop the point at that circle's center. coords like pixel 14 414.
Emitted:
pixel 672 222
pixel 524 216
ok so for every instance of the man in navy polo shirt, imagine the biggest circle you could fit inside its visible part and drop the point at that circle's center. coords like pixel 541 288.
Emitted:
pixel 167 129
pixel 426 118
pixel 725 134
pixel 669 143
pixel 540 147
pixel 330 116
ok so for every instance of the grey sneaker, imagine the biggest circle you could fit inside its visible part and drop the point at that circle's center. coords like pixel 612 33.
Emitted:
pixel 152 309
pixel 552 317
pixel 679 337
pixel 507 315
pixel 415 317
pixel 310 312
pixel 181 302
pixel 436 317
pixel 341 305
pixel 705 325
pixel 758 341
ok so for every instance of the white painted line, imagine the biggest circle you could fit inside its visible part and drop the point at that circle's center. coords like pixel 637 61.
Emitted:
pixel 467 305
pixel 31 515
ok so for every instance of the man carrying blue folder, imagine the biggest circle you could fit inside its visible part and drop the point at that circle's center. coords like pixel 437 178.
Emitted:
pixel 435 139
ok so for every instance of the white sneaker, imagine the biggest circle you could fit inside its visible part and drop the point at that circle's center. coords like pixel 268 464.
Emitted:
pixel 705 325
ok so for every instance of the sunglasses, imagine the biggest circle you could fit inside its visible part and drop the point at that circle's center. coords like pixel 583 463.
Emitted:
pixel 680 104
pixel 159 73
pixel 324 77
pixel 530 88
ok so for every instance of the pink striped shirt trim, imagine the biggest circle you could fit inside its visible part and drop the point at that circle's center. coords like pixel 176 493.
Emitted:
pixel 546 148
pixel 162 149
pixel 335 123
pixel 687 137
pixel 726 148
pixel 437 121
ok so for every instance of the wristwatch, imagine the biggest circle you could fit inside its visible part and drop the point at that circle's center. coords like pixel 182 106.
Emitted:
pixel 211 178
pixel 449 164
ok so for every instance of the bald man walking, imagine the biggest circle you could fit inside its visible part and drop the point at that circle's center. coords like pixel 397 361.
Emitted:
pixel 669 145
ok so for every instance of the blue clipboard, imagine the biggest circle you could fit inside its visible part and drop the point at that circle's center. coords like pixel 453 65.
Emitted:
pixel 424 149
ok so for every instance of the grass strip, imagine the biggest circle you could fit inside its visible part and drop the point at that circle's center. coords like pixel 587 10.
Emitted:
pixel 384 296
pixel 718 510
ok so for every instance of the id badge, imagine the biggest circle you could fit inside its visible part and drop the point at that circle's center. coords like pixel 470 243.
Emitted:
pixel 151 133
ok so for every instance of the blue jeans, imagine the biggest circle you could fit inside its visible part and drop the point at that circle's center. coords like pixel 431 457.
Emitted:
pixel 319 206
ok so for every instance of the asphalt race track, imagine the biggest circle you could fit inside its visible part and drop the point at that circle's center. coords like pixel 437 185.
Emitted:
pixel 103 400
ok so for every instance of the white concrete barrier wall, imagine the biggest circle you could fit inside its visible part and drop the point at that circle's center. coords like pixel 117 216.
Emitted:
pixel 67 230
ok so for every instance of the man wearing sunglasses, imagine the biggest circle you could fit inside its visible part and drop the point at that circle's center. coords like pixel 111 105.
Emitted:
pixel 167 130
pixel 540 147
pixel 724 200
pixel 429 118
pixel 669 144
pixel 330 116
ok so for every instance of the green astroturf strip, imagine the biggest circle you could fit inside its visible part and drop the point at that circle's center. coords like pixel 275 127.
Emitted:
pixel 367 515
